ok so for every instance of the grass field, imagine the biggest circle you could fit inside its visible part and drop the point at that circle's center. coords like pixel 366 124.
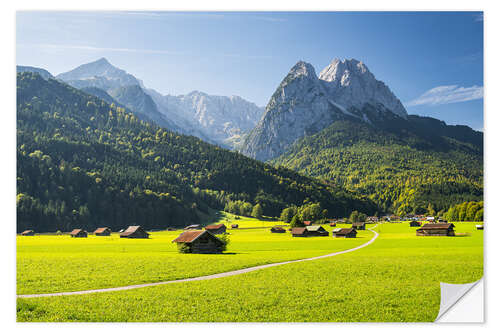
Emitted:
pixel 394 279
pixel 61 263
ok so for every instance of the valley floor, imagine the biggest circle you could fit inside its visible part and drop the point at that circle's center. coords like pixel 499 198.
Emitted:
pixel 394 279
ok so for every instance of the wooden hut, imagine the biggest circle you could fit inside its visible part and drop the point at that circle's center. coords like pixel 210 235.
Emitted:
pixel 358 225
pixel 216 229
pixel 78 233
pixel 415 224
pixel 307 223
pixel 344 233
pixel 105 231
pixel 299 232
pixel 28 233
pixel 234 226
pixel 193 227
pixel 199 241
pixel 316 230
pixel 479 227
pixel 278 230
pixel 436 229
pixel 134 231
pixel 333 224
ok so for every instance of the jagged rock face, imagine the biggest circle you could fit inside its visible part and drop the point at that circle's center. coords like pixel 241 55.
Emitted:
pixel 352 85
pixel 304 104
pixel 299 107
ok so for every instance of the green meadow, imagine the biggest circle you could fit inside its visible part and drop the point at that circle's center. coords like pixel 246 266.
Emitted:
pixel 394 279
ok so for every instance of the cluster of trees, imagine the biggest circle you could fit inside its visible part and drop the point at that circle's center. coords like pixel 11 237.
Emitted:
pixel 357 217
pixel 401 166
pixel 243 208
pixel 296 215
pixel 466 211
pixel 85 163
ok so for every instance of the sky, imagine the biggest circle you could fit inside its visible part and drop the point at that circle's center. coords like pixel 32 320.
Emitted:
pixel 432 61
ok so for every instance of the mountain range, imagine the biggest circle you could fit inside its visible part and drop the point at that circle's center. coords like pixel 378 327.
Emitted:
pixel 344 127
pixel 217 119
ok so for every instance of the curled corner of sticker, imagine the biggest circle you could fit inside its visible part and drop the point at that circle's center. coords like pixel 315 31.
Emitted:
pixel 451 295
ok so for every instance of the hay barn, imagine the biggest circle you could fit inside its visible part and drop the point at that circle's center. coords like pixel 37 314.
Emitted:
pixel 78 233
pixel 28 233
pixel 333 224
pixel 415 224
pixel 216 229
pixel 344 233
pixel 436 229
pixel 277 230
pixel 105 231
pixel 316 230
pixel 307 223
pixel 134 231
pixel 358 225
pixel 234 226
pixel 299 232
pixel 199 241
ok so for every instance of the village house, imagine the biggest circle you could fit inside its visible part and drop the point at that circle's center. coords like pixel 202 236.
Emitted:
pixel 359 225
pixel 28 233
pixel 436 229
pixel 333 224
pixel 278 230
pixel 199 241
pixel 193 227
pixel 372 219
pixel 216 228
pixel 234 226
pixel 134 231
pixel 78 233
pixel 105 231
pixel 307 223
pixel 430 219
pixel 415 224
pixel 344 233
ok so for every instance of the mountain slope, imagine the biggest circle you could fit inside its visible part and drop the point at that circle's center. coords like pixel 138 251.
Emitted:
pixel 85 163
pixel 304 104
pixel 217 119
pixel 403 165
pixel 43 73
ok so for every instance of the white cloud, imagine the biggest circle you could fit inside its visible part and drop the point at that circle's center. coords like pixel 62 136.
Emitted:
pixel 447 95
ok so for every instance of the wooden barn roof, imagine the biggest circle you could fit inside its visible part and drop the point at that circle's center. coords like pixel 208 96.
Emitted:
pixel 277 228
pixel 298 231
pixel 131 229
pixel 358 223
pixel 342 231
pixel 76 231
pixel 192 235
pixel 26 232
pixel 437 226
pixel 315 228
pixel 307 223
pixel 99 230
pixel 214 226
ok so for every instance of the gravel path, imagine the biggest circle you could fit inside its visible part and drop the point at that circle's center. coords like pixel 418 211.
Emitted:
pixel 200 278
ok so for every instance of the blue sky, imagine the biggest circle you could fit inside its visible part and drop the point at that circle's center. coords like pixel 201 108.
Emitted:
pixel 433 61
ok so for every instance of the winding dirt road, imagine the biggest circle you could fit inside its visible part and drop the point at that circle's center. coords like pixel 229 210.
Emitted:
pixel 206 277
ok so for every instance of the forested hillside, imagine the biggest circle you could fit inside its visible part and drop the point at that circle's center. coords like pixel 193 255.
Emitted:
pixel 82 162
pixel 403 165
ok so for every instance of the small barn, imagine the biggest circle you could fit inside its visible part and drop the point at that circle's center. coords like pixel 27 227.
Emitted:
pixel 216 229
pixel 79 233
pixel 358 225
pixel 105 231
pixel 278 230
pixel 415 224
pixel 307 223
pixel 479 227
pixel 193 227
pixel 134 231
pixel 28 233
pixel 234 226
pixel 436 229
pixel 333 224
pixel 299 232
pixel 316 230
pixel 199 241
pixel 344 233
